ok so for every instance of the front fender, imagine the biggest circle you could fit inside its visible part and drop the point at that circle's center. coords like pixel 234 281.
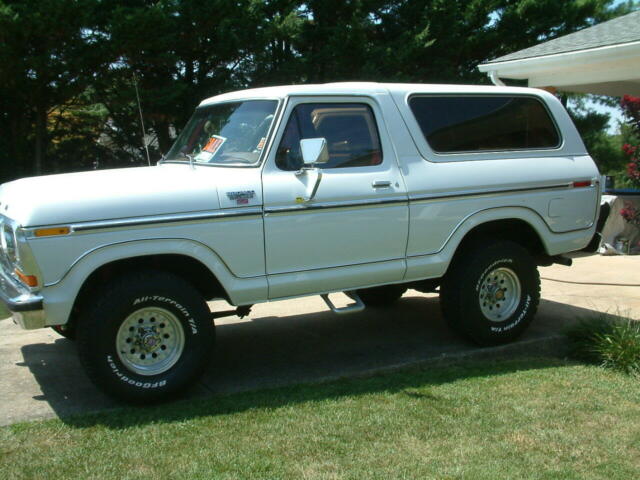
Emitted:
pixel 58 298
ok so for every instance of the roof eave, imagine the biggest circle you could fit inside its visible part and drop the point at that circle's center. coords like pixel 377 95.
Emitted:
pixel 525 67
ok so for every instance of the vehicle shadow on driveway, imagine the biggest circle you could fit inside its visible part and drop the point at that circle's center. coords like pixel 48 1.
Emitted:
pixel 271 351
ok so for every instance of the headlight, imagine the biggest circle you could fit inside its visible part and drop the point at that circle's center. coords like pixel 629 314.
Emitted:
pixel 8 243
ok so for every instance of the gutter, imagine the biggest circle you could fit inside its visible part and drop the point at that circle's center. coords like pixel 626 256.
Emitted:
pixel 559 61
pixel 495 79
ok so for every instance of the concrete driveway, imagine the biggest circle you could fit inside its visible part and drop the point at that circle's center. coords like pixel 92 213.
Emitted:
pixel 301 341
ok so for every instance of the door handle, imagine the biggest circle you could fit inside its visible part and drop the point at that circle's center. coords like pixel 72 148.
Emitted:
pixel 381 183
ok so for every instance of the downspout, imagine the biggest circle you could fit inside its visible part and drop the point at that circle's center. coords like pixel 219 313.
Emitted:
pixel 493 75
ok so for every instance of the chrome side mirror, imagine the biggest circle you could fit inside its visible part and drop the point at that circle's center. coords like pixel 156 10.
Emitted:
pixel 314 151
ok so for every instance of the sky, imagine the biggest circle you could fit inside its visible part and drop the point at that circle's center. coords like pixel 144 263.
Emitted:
pixel 615 116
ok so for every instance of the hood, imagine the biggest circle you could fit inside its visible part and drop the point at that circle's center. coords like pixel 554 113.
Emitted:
pixel 120 193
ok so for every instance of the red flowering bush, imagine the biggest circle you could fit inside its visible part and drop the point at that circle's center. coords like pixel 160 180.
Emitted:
pixel 630 214
pixel 631 107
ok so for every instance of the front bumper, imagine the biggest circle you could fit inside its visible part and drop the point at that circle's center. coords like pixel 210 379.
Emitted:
pixel 26 307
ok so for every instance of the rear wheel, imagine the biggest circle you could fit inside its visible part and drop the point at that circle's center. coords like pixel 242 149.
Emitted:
pixel 380 296
pixel 148 337
pixel 491 292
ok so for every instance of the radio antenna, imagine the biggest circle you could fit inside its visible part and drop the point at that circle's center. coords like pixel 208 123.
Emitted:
pixel 144 132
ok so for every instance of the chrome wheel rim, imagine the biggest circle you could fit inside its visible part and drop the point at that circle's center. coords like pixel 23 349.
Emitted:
pixel 150 341
pixel 499 294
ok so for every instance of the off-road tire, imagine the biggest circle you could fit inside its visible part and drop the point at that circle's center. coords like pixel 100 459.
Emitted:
pixel 463 291
pixel 99 325
pixel 381 296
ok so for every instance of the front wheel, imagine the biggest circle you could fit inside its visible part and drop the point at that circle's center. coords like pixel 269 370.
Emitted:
pixel 148 337
pixel 491 292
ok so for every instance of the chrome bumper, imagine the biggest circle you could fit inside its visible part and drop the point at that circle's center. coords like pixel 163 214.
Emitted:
pixel 25 306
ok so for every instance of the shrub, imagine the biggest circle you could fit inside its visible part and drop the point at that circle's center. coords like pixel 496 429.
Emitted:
pixel 613 342
pixel 631 107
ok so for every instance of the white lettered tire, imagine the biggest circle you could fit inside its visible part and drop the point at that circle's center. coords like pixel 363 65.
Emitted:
pixel 146 338
pixel 491 292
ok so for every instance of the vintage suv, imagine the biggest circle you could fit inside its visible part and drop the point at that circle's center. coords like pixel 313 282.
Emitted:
pixel 280 192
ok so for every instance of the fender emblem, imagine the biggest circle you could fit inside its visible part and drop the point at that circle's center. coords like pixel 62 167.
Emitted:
pixel 241 197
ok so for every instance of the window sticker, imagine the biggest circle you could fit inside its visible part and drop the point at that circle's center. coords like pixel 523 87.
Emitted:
pixel 210 149
pixel 260 145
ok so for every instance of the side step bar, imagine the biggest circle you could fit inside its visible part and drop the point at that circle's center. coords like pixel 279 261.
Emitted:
pixel 358 306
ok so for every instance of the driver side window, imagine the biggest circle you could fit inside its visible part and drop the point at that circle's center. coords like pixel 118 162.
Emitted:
pixel 349 128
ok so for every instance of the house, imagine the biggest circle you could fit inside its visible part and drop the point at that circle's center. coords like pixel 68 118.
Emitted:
pixel 603 59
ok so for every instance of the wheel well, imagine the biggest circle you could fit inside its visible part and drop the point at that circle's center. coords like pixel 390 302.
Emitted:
pixel 513 229
pixel 192 270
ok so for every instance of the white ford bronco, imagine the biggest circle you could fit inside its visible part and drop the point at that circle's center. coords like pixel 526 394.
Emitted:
pixel 280 192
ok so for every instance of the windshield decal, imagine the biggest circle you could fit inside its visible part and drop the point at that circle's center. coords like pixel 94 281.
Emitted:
pixel 210 149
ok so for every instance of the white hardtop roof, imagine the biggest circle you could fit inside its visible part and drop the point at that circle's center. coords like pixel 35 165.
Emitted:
pixel 362 88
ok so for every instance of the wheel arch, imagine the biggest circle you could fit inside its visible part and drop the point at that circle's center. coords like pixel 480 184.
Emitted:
pixel 518 224
pixel 195 262
pixel 514 229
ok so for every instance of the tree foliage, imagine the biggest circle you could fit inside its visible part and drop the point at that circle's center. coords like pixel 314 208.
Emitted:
pixel 67 67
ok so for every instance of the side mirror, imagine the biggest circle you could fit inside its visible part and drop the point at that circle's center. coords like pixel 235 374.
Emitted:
pixel 314 151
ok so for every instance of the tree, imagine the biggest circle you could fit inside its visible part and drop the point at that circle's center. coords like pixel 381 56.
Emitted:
pixel 50 53
pixel 603 147
pixel 180 52
pixel 67 67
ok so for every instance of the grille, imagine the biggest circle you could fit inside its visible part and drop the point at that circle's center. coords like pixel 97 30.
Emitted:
pixel 5 263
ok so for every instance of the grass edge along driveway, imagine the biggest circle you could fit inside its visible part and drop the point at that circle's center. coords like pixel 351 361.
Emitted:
pixel 519 418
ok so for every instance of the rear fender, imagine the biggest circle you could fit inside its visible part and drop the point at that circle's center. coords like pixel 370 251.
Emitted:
pixel 435 265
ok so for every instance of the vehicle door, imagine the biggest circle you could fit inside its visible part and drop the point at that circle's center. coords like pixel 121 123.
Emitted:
pixel 352 230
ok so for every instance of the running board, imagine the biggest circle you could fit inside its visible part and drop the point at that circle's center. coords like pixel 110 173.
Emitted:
pixel 358 306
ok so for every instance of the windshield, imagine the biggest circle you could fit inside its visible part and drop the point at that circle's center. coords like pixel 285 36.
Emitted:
pixel 225 133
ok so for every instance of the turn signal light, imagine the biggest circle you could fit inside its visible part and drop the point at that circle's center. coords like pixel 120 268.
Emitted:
pixel 29 280
pixel 48 232
pixel 586 183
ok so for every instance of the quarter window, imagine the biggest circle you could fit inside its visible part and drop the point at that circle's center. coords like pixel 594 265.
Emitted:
pixel 453 124
pixel 349 128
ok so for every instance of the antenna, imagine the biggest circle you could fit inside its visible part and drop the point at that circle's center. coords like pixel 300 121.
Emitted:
pixel 144 132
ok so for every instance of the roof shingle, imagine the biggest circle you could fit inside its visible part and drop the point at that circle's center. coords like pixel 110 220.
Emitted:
pixel 620 30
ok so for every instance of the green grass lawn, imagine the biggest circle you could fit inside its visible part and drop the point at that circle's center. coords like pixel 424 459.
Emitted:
pixel 524 418
pixel 4 313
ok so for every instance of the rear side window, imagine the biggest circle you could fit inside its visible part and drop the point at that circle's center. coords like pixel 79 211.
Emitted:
pixel 467 123
pixel 349 128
